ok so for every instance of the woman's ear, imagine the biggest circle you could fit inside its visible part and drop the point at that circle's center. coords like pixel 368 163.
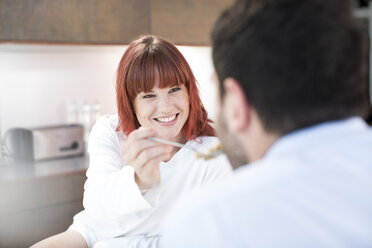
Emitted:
pixel 236 110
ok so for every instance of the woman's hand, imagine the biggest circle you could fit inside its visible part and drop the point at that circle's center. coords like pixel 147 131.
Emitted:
pixel 144 156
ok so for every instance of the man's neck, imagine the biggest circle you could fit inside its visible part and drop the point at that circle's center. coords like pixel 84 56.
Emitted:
pixel 257 140
pixel 261 146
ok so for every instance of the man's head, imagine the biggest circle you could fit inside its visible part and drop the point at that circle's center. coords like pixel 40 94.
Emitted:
pixel 297 63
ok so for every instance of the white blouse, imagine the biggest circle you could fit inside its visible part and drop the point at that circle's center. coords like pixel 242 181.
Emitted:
pixel 114 205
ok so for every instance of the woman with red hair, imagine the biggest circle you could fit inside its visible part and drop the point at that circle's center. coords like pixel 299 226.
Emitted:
pixel 132 179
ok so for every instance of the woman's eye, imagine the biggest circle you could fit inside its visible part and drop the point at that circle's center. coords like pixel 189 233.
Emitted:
pixel 175 89
pixel 148 96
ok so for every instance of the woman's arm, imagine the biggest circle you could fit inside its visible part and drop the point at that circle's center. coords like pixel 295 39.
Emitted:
pixel 119 170
pixel 70 238
pixel 110 190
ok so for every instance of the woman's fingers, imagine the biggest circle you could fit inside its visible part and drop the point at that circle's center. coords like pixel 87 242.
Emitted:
pixel 145 155
pixel 141 133
pixel 136 142
pixel 133 150
pixel 149 173
pixel 152 153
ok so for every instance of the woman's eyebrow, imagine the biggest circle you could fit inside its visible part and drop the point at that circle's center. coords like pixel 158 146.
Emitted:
pixel 145 92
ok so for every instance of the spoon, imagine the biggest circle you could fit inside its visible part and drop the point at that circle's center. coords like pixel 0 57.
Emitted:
pixel 211 153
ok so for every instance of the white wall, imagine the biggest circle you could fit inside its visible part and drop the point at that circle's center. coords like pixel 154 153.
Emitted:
pixel 37 81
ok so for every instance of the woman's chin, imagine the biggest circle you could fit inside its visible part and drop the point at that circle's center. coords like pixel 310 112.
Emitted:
pixel 170 136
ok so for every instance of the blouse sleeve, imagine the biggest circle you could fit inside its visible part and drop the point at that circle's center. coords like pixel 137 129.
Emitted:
pixel 110 191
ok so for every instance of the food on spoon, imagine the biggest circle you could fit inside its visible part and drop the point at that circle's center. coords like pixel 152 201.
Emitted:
pixel 210 153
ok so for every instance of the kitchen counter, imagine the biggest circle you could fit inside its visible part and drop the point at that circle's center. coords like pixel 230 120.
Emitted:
pixel 14 170
pixel 39 199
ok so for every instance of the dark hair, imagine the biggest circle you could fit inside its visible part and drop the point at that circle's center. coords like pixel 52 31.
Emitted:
pixel 136 73
pixel 300 62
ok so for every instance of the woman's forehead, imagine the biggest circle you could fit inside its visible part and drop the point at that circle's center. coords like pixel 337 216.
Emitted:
pixel 154 77
pixel 157 87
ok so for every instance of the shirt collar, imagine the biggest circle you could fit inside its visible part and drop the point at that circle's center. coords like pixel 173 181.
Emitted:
pixel 315 135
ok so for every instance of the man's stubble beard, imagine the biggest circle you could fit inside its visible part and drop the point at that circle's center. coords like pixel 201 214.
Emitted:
pixel 230 145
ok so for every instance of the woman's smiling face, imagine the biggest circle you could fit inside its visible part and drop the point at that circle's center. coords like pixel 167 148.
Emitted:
pixel 165 110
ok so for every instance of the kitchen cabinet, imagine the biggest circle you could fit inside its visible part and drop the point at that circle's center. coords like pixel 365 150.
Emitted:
pixel 184 22
pixel 39 199
pixel 73 21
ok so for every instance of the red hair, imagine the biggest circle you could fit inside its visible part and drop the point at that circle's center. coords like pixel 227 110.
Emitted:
pixel 136 73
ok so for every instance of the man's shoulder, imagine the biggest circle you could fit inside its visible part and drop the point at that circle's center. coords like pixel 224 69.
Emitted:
pixel 220 191
pixel 253 181
pixel 206 215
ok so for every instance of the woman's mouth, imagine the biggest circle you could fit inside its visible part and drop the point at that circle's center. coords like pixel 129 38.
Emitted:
pixel 167 120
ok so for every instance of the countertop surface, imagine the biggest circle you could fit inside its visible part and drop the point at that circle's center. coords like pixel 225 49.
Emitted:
pixel 15 171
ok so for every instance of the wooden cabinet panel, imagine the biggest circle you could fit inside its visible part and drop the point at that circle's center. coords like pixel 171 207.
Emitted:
pixel 186 22
pixel 26 228
pixel 32 209
pixel 73 21
pixel 37 193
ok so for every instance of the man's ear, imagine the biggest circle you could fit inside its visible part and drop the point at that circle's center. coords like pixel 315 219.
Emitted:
pixel 235 106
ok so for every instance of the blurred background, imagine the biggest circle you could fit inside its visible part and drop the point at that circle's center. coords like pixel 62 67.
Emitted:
pixel 58 61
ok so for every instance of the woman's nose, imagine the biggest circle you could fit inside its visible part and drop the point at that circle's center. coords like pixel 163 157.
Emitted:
pixel 164 103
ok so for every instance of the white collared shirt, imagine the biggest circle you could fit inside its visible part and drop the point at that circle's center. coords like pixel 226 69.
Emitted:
pixel 313 188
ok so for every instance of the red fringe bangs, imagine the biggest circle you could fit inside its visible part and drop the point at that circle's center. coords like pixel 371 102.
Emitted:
pixel 141 74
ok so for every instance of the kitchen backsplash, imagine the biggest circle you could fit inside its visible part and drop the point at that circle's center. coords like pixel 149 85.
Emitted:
pixel 38 83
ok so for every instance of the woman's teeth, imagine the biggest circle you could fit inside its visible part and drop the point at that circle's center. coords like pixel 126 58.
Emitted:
pixel 168 119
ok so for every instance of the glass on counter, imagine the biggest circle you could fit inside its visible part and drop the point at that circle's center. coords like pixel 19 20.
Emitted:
pixel 83 113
